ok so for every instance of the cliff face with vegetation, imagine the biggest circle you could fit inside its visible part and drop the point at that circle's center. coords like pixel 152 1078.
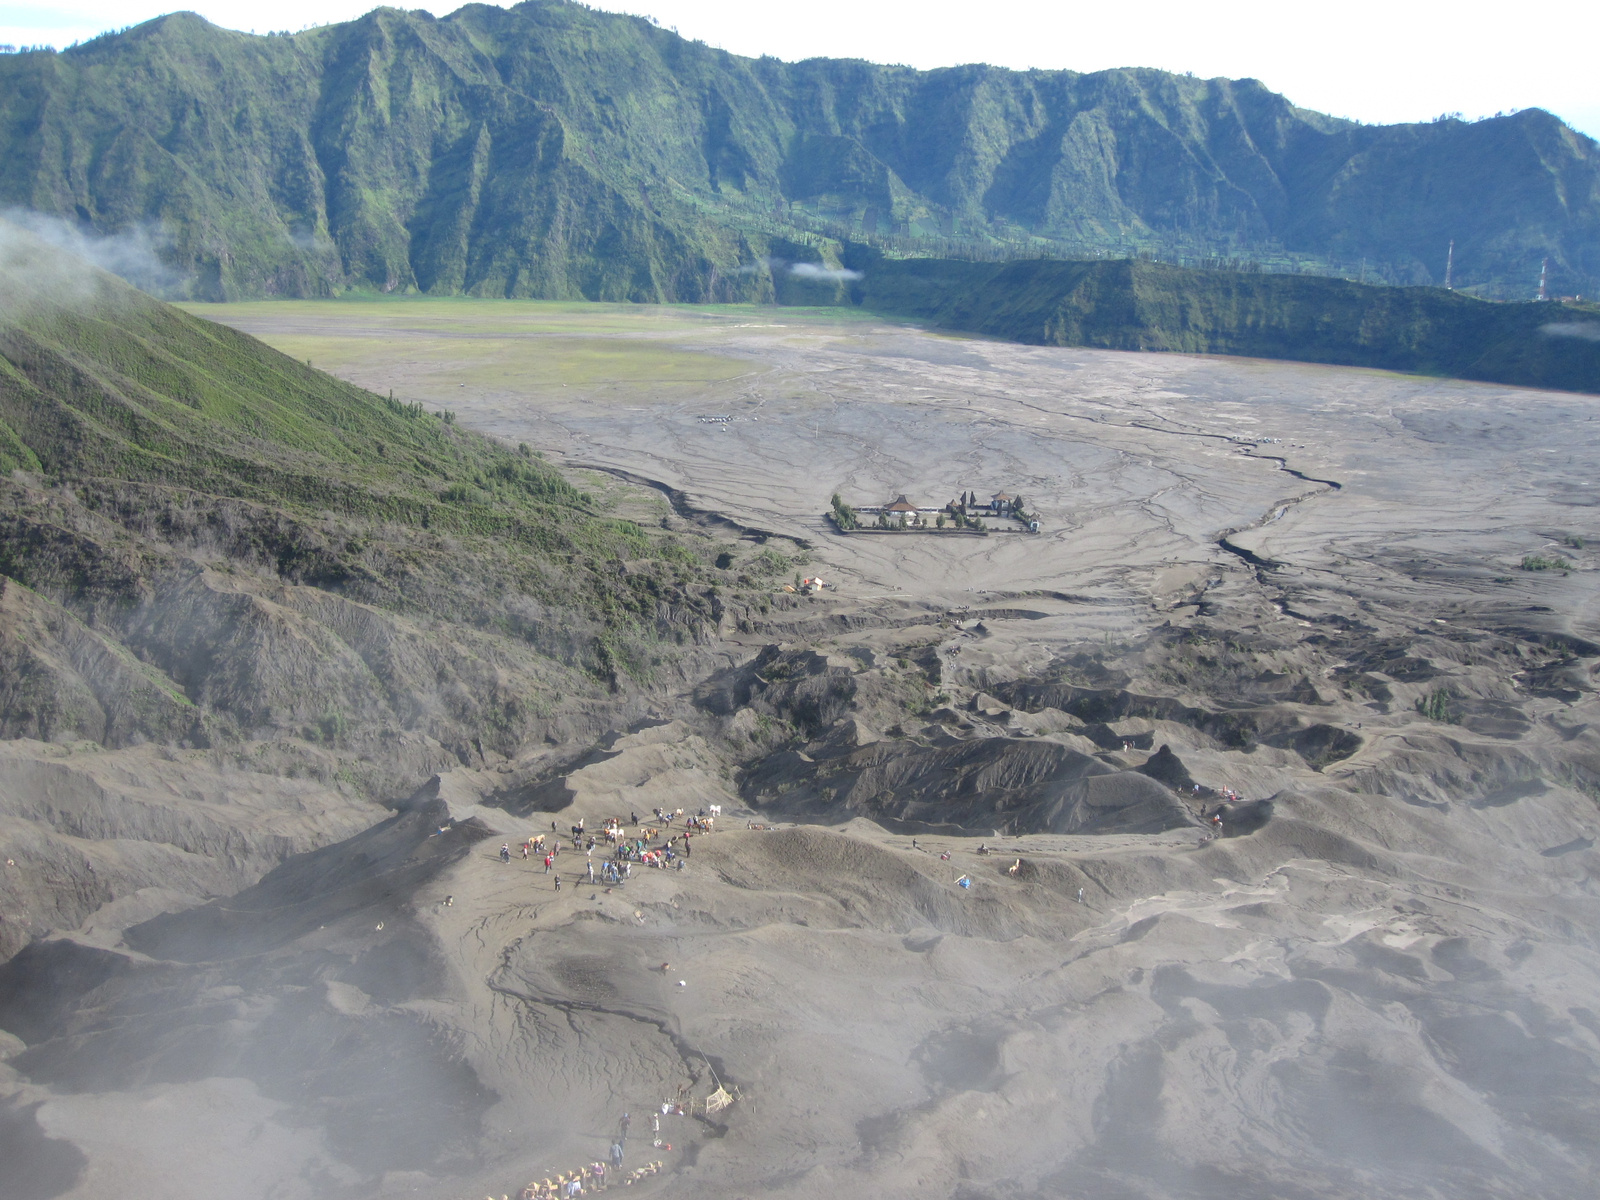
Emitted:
pixel 550 150
pixel 1133 305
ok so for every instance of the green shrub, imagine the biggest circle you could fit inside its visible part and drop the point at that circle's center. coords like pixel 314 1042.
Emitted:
pixel 1537 562
pixel 1439 705
pixel 769 562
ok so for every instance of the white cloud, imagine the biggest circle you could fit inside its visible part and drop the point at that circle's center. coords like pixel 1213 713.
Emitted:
pixel 134 254
pixel 1589 331
pixel 813 271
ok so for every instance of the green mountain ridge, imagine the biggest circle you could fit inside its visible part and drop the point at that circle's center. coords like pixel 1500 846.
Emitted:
pixel 1134 305
pixel 551 150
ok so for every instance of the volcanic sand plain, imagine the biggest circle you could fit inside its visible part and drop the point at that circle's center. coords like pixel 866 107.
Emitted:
pixel 1383 985
pixel 1138 464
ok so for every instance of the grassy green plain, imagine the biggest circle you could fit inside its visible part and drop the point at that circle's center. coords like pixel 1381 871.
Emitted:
pixel 423 347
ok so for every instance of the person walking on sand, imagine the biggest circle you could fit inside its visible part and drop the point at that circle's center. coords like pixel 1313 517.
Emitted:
pixel 627 1120
pixel 548 860
pixel 505 852
pixel 558 881
pixel 591 872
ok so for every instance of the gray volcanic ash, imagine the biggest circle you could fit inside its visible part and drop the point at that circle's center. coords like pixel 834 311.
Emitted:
pixel 966 924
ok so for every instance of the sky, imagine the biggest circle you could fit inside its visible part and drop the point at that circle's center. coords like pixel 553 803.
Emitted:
pixel 1378 61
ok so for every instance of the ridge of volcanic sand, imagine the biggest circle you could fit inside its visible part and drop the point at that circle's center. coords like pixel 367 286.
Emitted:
pixel 116 386
pixel 774 964
pixel 221 552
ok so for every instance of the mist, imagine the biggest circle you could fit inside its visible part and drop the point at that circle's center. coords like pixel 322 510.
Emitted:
pixel 133 254
pixel 800 270
pixel 1588 331
pixel 310 242
pixel 830 274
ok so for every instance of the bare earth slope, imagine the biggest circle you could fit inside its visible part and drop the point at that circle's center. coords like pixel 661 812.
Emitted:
pixel 1364 603
pixel 241 602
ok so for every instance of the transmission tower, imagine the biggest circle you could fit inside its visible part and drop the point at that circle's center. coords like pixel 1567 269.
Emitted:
pixel 1449 265
pixel 1544 279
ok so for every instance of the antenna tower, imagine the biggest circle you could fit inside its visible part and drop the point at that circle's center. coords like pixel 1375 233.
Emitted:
pixel 1544 279
pixel 1449 265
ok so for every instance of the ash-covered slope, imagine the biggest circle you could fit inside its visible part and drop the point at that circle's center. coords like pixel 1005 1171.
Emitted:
pixel 840 767
pixel 1376 982
pixel 553 150
pixel 994 784
pixel 216 559
pixel 1358 997
pixel 283 992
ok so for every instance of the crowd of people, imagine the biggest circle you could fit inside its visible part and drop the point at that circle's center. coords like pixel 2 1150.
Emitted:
pixel 1214 822
pixel 652 846
pixel 596 1177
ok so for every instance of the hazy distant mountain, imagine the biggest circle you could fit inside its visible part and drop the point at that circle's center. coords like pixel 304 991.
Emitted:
pixel 550 150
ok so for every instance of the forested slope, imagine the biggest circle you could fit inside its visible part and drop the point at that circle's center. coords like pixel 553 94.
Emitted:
pixel 552 150
pixel 1134 305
